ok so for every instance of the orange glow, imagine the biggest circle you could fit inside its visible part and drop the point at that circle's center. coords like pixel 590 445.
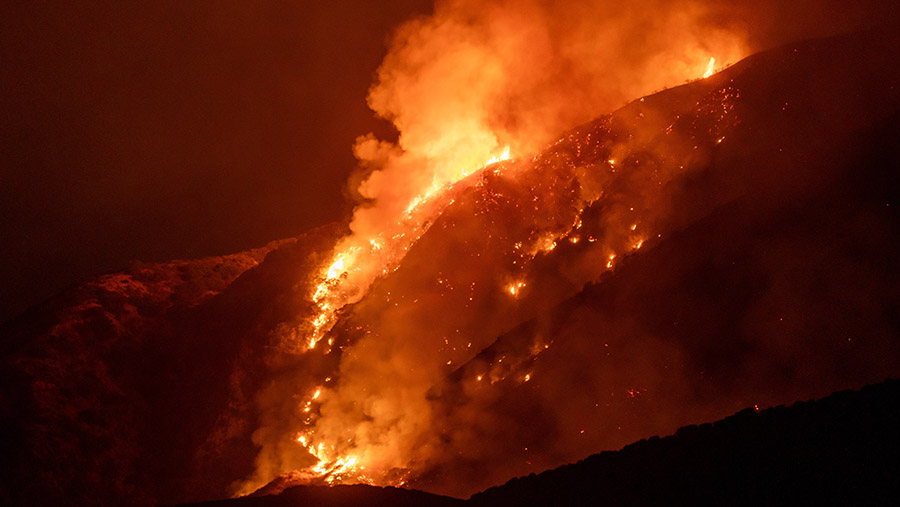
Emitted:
pixel 710 68
pixel 515 288
pixel 336 268
pixel 355 265
pixel 503 156
pixel 460 114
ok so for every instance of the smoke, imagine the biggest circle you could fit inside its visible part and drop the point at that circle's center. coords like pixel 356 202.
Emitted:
pixel 476 77
pixel 460 86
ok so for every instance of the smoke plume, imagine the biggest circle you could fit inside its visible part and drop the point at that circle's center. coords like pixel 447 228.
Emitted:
pixel 476 77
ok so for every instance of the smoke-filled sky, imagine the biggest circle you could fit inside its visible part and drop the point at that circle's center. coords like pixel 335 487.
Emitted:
pixel 169 129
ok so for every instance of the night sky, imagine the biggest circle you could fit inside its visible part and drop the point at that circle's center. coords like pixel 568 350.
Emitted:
pixel 158 130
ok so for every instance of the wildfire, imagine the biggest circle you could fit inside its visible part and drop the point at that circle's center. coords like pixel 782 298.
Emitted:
pixel 440 145
pixel 710 68
pixel 354 266
pixel 332 470
pixel 500 158
pixel 336 268
pixel 357 262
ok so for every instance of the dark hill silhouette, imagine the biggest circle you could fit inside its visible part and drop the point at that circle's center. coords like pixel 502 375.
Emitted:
pixel 340 496
pixel 840 450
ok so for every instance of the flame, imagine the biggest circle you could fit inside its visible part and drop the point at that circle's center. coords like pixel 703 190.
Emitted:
pixel 710 68
pixel 354 266
pixel 503 156
pixel 336 268
pixel 357 262
pixel 515 288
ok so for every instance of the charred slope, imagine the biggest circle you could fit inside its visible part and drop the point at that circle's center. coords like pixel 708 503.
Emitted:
pixel 838 450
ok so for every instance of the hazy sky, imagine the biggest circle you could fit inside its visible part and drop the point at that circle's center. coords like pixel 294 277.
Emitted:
pixel 153 130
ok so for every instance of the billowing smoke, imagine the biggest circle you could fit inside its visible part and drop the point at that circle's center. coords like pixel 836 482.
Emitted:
pixel 461 86
pixel 477 77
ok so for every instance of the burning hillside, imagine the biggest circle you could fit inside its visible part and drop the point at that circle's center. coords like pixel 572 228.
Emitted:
pixel 418 376
pixel 512 306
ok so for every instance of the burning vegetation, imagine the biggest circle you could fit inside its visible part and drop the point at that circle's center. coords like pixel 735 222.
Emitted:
pixel 395 331
pixel 466 229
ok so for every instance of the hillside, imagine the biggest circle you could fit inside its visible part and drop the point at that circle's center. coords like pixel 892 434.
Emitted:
pixel 726 243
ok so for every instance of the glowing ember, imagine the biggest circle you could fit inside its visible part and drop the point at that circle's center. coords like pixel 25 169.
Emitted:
pixel 515 288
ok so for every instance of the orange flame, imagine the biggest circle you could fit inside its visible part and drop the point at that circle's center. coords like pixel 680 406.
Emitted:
pixel 354 267
pixel 710 68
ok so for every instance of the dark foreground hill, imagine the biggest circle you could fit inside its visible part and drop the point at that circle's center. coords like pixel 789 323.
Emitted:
pixel 341 496
pixel 841 450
